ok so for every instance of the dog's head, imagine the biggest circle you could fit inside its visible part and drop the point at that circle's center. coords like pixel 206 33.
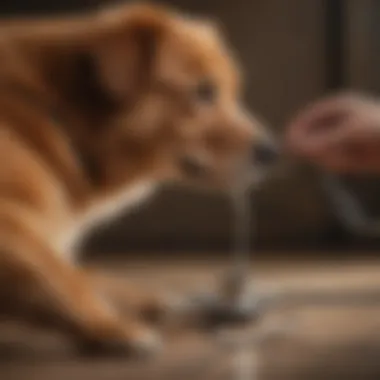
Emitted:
pixel 179 115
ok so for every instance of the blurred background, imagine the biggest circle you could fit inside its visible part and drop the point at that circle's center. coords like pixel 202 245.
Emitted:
pixel 294 52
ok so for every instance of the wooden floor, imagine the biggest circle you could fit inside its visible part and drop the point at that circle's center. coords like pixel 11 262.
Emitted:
pixel 326 342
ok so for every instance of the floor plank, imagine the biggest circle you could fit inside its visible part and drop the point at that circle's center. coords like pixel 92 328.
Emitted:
pixel 326 343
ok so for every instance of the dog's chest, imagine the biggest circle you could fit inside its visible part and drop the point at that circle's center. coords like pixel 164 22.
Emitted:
pixel 101 214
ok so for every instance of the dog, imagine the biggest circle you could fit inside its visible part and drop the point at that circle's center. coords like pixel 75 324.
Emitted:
pixel 97 110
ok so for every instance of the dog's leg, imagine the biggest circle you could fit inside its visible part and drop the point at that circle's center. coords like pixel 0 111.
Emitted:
pixel 189 311
pixel 37 286
pixel 151 305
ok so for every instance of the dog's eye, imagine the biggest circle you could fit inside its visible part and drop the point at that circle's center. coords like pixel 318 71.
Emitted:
pixel 206 91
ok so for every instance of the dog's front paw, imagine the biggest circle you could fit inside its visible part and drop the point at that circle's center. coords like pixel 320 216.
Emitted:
pixel 167 307
pixel 138 344
pixel 145 344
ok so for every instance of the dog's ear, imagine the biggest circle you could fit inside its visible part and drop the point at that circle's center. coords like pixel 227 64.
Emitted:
pixel 125 54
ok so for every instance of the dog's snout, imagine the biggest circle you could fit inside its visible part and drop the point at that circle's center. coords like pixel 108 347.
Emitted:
pixel 265 153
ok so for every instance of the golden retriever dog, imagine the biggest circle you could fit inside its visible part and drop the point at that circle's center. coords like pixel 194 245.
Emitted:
pixel 96 111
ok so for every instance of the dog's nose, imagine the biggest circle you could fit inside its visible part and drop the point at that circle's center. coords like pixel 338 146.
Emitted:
pixel 265 153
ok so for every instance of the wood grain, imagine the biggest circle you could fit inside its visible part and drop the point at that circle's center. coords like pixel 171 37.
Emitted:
pixel 327 343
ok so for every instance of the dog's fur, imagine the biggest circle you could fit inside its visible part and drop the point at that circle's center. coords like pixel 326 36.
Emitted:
pixel 96 111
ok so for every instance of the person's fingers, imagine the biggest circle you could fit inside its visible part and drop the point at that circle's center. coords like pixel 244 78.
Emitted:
pixel 337 161
pixel 369 161
pixel 317 121
pixel 318 113
pixel 336 140
pixel 352 157
pixel 341 133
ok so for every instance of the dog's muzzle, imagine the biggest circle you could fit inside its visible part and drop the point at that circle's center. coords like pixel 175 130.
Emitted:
pixel 265 153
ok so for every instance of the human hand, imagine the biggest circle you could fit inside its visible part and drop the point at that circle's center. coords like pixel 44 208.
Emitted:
pixel 340 133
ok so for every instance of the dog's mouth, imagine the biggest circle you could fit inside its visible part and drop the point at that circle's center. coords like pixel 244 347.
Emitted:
pixel 248 164
pixel 257 168
pixel 244 173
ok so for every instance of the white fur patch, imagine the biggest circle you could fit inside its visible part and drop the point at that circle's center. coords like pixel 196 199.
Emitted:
pixel 102 213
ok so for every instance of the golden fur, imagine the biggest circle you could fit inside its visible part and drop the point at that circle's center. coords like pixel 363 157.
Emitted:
pixel 96 111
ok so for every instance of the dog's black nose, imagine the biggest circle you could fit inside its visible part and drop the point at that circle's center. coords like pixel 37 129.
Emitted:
pixel 265 153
